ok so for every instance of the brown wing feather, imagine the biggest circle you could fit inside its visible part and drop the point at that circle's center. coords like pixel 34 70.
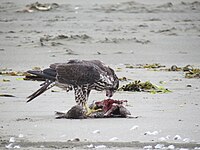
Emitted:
pixel 77 74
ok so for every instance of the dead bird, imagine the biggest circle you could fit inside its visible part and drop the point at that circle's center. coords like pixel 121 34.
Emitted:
pixel 76 112
pixel 108 108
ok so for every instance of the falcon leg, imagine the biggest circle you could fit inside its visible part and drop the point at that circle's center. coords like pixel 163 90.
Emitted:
pixel 89 111
pixel 81 97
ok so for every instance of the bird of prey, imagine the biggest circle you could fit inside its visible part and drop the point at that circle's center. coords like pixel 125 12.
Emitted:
pixel 82 76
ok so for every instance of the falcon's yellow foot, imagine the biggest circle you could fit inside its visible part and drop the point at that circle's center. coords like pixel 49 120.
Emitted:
pixel 89 111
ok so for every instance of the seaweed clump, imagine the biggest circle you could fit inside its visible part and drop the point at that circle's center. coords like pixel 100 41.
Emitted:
pixel 27 76
pixel 194 73
pixel 191 72
pixel 145 66
pixel 138 86
pixel 153 66
pixel 4 72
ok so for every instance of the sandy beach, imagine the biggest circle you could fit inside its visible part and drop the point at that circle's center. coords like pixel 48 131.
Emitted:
pixel 120 33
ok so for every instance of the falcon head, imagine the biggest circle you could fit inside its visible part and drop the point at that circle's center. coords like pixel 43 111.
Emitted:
pixel 110 90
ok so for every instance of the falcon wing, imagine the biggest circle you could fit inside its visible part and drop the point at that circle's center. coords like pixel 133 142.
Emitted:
pixel 77 74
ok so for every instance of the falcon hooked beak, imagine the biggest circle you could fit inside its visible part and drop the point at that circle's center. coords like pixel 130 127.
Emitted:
pixel 109 93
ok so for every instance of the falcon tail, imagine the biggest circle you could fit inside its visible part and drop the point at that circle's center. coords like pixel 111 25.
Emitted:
pixel 46 74
pixel 50 76
pixel 45 86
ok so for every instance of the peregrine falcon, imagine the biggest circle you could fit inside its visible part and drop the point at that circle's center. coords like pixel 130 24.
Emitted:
pixel 82 76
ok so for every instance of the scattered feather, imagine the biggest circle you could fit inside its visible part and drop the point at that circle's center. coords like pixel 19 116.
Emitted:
pixel 16 146
pixel 159 146
pixel 134 127
pixel 90 146
pixel 168 137
pixel 12 140
pixel 63 136
pixel 151 133
pixel 76 8
pixel 162 139
pixel 20 135
pixel 100 146
pixel 187 140
pixel 177 137
pixel 9 146
pixel 96 131
pixel 148 147
pixel 171 147
pixel 114 139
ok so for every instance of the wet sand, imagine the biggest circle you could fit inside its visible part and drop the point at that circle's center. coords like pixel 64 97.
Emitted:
pixel 118 33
